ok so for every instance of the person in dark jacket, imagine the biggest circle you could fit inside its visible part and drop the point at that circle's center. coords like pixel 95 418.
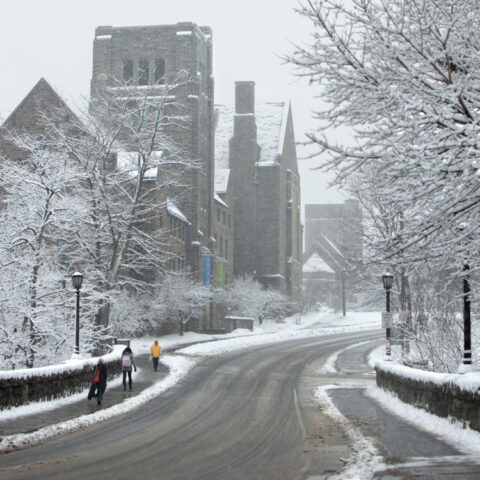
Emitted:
pixel 99 382
pixel 127 365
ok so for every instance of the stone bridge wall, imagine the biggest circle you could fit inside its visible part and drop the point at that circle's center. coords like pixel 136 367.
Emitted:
pixel 46 383
pixel 442 398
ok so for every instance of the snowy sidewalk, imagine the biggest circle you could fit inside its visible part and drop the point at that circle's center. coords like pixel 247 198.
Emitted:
pixel 142 379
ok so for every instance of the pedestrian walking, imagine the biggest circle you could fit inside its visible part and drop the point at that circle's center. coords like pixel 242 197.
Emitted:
pixel 127 365
pixel 156 350
pixel 99 382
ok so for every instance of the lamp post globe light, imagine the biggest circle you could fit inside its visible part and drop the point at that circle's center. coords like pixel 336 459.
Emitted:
pixel 77 280
pixel 387 279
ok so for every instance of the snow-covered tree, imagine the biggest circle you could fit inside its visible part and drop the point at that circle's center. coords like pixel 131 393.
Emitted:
pixel 246 298
pixel 132 168
pixel 89 195
pixel 37 232
pixel 169 306
pixel 403 75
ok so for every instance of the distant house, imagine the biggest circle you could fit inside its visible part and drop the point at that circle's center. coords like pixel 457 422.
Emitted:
pixel 333 241
pixel 256 143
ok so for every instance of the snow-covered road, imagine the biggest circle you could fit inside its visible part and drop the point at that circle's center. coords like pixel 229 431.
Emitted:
pixel 365 458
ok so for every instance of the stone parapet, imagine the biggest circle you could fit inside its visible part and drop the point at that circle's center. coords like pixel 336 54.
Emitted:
pixel 439 395
pixel 48 383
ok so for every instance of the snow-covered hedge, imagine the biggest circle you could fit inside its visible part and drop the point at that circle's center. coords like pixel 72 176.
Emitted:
pixel 443 394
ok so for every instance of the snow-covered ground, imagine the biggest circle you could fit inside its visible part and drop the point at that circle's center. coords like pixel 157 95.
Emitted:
pixel 365 459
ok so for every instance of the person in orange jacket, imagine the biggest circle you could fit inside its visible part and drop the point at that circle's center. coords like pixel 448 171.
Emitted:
pixel 156 350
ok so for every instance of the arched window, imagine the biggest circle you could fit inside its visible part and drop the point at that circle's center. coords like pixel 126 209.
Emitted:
pixel 159 71
pixel 128 70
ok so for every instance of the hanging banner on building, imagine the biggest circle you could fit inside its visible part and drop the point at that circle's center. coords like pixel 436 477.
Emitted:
pixel 220 276
pixel 207 269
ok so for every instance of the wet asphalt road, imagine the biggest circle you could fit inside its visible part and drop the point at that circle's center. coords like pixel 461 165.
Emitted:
pixel 248 415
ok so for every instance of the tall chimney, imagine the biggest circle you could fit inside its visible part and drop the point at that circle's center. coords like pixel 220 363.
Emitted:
pixel 244 97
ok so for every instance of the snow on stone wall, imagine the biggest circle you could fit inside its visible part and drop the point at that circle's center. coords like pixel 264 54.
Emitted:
pixel 445 395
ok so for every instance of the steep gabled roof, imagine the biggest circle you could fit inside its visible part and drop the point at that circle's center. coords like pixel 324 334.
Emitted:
pixel 316 264
pixel 222 176
pixel 41 98
pixel 271 120
pixel 327 252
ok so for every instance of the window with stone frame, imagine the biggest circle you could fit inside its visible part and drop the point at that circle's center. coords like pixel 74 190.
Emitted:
pixel 127 69
pixel 159 73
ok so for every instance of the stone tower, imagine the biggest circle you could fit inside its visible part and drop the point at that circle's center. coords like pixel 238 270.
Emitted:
pixel 150 57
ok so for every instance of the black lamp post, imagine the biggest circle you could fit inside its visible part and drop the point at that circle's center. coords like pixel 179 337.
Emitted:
pixel 77 280
pixel 467 337
pixel 387 279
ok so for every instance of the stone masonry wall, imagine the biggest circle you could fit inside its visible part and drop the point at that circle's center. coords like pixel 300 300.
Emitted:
pixel 445 400
pixel 20 391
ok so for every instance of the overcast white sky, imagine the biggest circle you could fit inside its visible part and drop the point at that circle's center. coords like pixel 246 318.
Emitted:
pixel 53 39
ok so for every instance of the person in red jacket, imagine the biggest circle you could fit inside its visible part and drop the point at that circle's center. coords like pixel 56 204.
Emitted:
pixel 99 382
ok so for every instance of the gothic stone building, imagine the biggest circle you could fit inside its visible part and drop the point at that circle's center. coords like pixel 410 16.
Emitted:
pixel 150 58
pixel 255 143
pixel 242 211
pixel 30 116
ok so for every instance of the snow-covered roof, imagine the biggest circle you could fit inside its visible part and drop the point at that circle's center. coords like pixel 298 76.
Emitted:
pixel 221 179
pixel 127 162
pixel 316 264
pixel 219 200
pixel 173 210
pixel 270 119
pixel 332 245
